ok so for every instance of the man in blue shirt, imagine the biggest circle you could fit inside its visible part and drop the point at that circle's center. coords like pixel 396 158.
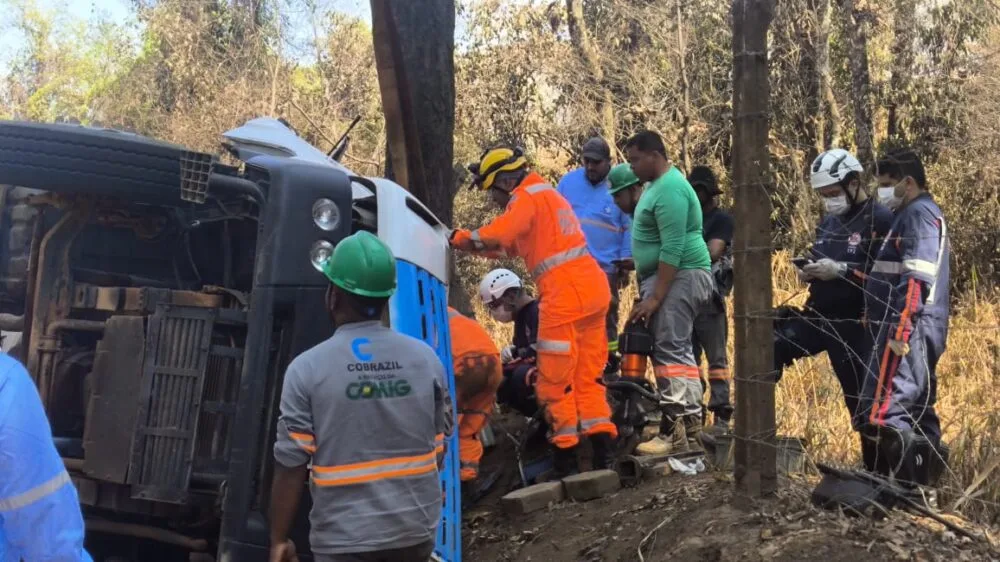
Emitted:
pixel 605 226
pixel 40 515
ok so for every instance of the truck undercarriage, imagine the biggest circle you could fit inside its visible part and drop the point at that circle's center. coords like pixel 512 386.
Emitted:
pixel 132 303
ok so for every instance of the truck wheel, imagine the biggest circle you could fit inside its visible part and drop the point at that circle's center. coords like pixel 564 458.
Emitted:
pixel 16 246
pixel 74 159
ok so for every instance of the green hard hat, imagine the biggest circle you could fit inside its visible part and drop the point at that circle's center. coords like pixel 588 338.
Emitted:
pixel 621 177
pixel 363 265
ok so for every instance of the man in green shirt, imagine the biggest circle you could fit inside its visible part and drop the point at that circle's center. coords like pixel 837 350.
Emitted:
pixel 674 271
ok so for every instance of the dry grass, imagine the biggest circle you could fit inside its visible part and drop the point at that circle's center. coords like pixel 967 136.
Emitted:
pixel 810 404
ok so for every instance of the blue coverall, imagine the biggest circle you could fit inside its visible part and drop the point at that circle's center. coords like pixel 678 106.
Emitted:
pixel 40 515
pixel 907 296
pixel 831 321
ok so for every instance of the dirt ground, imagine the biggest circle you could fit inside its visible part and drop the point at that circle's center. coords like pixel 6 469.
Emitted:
pixel 699 518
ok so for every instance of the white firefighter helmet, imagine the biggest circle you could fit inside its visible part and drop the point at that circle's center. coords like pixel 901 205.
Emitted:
pixel 832 167
pixel 496 283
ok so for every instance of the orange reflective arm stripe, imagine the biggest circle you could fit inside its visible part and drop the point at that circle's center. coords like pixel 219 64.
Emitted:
pixel 511 225
pixel 304 440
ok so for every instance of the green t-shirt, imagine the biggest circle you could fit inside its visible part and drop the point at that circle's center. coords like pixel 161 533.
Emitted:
pixel 667 227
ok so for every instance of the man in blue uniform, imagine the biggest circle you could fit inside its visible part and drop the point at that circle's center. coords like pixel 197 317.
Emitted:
pixel 604 225
pixel 507 301
pixel 39 510
pixel 907 296
pixel 835 268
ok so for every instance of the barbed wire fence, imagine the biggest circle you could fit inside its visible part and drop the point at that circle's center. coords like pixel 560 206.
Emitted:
pixel 808 403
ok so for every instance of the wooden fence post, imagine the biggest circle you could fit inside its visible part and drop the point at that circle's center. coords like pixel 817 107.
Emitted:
pixel 755 456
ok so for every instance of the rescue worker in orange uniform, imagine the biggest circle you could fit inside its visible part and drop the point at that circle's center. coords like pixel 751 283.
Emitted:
pixel 478 374
pixel 540 227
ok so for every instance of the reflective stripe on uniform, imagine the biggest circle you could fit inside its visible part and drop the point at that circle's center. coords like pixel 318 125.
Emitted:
pixel 371 471
pixel 590 423
pixel 937 267
pixel 439 443
pixel 477 240
pixel 538 188
pixel 887 267
pixel 600 224
pixel 37 493
pixel 920 266
pixel 304 440
pixel 718 374
pixel 555 346
pixel 556 260
pixel 466 464
pixel 612 345
pixel 677 371
pixel 563 431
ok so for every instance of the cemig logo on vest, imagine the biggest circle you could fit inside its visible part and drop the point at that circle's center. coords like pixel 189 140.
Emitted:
pixel 375 379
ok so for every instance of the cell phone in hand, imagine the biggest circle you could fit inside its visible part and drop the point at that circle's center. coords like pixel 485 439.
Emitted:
pixel 801 262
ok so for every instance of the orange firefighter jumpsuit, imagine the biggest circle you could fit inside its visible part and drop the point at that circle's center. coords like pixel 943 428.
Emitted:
pixel 478 374
pixel 539 226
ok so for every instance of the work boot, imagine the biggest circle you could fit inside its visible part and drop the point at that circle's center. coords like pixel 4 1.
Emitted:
pixel 603 446
pixel 692 432
pixel 564 462
pixel 672 439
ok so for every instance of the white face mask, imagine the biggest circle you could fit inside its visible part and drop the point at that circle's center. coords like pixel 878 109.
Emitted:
pixel 836 205
pixel 887 196
pixel 502 314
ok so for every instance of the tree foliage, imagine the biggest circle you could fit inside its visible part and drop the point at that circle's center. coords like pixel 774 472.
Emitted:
pixel 542 74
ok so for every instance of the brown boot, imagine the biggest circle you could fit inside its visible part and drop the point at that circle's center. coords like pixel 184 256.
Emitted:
pixel 672 439
pixel 692 432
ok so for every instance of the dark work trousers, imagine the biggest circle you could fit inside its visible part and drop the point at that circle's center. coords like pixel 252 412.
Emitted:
pixel 804 333
pixel 900 392
pixel 611 321
pixel 515 391
pixel 711 332
pixel 417 553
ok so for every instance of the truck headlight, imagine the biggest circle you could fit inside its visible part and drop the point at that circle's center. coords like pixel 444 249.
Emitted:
pixel 326 215
pixel 320 254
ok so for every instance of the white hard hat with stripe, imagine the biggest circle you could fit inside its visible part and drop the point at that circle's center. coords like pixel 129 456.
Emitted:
pixel 832 167
pixel 496 283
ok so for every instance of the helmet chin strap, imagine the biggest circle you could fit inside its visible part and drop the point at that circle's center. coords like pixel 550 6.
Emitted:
pixel 852 199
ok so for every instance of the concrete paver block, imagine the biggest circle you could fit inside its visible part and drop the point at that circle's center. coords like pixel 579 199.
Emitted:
pixel 591 485
pixel 532 498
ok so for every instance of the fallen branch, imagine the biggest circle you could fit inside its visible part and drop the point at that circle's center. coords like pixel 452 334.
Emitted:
pixel 668 519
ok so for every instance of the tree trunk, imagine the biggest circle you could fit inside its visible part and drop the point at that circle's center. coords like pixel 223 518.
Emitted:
pixel 414 53
pixel 685 91
pixel 902 68
pixel 591 58
pixel 856 29
pixel 831 136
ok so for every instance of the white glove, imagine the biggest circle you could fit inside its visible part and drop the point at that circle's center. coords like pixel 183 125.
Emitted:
pixel 507 354
pixel 825 269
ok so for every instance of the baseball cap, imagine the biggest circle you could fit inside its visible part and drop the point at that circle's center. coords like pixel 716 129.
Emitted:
pixel 596 148
pixel 704 177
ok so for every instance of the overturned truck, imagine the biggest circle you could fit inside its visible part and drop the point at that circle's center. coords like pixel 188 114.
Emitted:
pixel 156 295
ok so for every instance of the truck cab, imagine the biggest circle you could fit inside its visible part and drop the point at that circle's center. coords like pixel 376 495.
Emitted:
pixel 159 295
